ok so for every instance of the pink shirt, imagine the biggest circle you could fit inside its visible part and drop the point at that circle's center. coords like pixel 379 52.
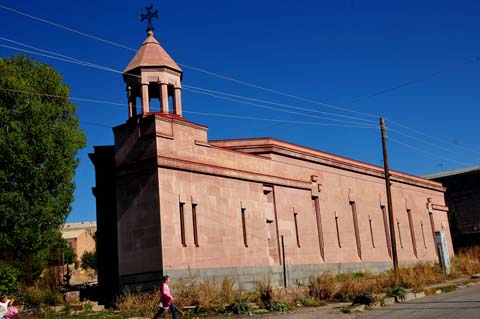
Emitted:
pixel 166 298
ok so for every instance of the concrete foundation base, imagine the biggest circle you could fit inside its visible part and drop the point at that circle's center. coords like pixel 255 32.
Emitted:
pixel 247 278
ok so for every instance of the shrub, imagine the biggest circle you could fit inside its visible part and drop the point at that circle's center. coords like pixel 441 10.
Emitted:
pixel 39 296
pixel 8 279
pixel 241 307
pixel 323 287
pixel 264 287
pixel 366 299
pixel 399 292
pixel 278 306
pixel 89 260
pixel 34 296
pixel 53 298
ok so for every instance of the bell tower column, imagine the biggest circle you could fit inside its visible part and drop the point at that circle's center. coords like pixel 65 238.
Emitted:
pixel 163 97
pixel 132 107
pixel 177 101
pixel 145 98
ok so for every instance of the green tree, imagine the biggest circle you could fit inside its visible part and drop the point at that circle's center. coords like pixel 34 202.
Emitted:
pixel 69 255
pixel 89 260
pixel 40 138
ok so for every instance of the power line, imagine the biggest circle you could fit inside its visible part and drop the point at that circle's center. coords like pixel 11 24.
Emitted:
pixel 276 109
pixel 409 83
pixel 189 112
pixel 63 97
pixel 425 142
pixel 69 59
pixel 238 117
pixel 64 27
pixel 256 86
pixel 275 103
pixel 474 60
pixel 434 138
pixel 283 121
pixel 96 124
pixel 429 153
pixel 73 60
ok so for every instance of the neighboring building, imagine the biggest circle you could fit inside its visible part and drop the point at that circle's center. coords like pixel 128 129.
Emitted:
pixel 90 227
pixel 463 200
pixel 80 240
pixel 169 201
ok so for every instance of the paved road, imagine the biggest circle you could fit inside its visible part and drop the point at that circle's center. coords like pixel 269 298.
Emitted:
pixel 460 304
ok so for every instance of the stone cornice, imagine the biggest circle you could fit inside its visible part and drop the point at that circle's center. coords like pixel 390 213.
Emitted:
pixel 214 170
pixel 273 146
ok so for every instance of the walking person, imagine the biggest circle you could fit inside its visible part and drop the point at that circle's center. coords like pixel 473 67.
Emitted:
pixel 166 300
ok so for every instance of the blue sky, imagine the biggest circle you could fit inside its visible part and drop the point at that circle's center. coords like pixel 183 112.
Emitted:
pixel 337 52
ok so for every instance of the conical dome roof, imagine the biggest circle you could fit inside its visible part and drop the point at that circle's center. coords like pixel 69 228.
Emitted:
pixel 151 54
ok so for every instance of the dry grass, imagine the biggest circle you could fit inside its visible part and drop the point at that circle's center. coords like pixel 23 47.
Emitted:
pixel 417 277
pixel 207 295
pixel 323 287
pixel 212 295
pixel 142 304
pixel 350 287
pixel 186 291
pixel 347 286
pixel 467 262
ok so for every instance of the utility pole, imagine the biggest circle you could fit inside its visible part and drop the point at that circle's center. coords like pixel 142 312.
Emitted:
pixel 389 200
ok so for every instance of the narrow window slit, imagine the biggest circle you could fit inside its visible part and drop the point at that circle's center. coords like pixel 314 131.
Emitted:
pixel 412 232
pixel 338 232
pixel 316 207
pixel 371 231
pixel 296 229
pixel 194 220
pixel 182 224
pixel 357 231
pixel 423 235
pixel 387 230
pixel 399 234
pixel 244 228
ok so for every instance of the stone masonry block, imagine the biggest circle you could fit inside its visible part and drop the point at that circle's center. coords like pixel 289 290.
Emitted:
pixel 72 297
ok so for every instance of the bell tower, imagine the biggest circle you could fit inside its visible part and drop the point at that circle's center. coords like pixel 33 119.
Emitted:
pixel 153 74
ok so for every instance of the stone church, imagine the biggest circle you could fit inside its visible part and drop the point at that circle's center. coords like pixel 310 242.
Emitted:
pixel 171 201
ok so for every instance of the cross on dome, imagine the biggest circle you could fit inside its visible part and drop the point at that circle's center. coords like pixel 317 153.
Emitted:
pixel 149 16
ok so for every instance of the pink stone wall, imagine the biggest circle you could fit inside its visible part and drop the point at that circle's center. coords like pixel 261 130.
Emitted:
pixel 274 189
